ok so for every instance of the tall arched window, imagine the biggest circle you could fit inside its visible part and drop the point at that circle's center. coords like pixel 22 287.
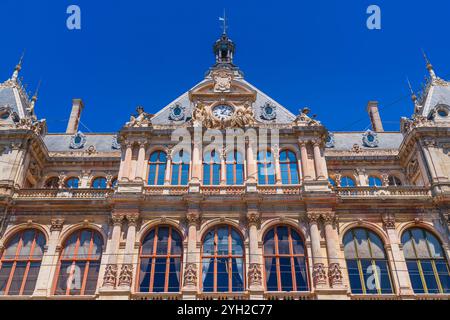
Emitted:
pixel 79 264
pixel 285 260
pixel 52 183
pixel 347 182
pixel 223 260
pixel 332 182
pixel 180 168
pixel 375 182
pixel 211 168
pixel 160 260
pixel 157 168
pixel 266 168
pixel 99 183
pixel 367 265
pixel 72 183
pixel 427 266
pixel 235 168
pixel 288 167
pixel 20 263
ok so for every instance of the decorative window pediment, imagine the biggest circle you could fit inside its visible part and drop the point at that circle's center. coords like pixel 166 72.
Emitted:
pixel 78 141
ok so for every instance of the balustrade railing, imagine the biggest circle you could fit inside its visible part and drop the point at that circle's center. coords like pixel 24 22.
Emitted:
pixel 63 193
pixel 394 191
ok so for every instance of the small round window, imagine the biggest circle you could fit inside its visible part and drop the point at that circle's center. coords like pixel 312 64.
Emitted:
pixel 4 115
pixel 442 113
pixel 177 111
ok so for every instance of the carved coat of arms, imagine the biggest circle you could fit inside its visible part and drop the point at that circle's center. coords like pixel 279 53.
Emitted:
pixel 222 81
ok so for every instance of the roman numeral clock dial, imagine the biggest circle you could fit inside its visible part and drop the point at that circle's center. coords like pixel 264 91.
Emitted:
pixel 223 112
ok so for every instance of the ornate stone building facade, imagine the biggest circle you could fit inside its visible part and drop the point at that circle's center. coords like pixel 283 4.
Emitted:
pixel 136 214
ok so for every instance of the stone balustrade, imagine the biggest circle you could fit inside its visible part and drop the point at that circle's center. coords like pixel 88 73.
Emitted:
pixel 288 296
pixel 380 192
pixel 62 194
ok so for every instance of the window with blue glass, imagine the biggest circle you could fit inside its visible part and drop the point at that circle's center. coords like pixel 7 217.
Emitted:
pixel 223 262
pixel 427 266
pixel 266 168
pixel 114 182
pixel 211 168
pixel 157 168
pixel 99 183
pixel 180 168
pixel 347 182
pixel 289 167
pixel 367 266
pixel 235 168
pixel 72 183
pixel 375 182
pixel 285 260
pixel 332 182
pixel 160 260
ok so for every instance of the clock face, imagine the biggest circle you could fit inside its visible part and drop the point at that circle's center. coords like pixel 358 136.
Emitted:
pixel 223 112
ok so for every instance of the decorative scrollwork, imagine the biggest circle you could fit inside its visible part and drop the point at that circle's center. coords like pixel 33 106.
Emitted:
pixel 268 111
pixel 126 275
pixel 254 275
pixel 177 112
pixel 190 274
pixel 319 275
pixel 335 274
pixel 110 277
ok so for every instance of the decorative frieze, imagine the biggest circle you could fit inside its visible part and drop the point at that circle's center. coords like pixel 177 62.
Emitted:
pixel 319 275
pixel 254 275
pixel 190 275
pixel 126 275
pixel 110 277
pixel 335 274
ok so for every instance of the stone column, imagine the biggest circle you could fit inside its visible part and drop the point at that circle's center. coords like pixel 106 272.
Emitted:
pixel 110 276
pixel 49 260
pixel 252 167
pixel 127 270
pixel 223 167
pixel 320 174
pixel 255 285
pixel 196 162
pixel 319 275
pixel 332 243
pixel 397 263
pixel 306 172
pixel 276 158
pixel 126 163
pixel 168 167
pixel 140 165
pixel 190 276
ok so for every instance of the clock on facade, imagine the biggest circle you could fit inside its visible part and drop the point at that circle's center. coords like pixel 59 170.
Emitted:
pixel 223 112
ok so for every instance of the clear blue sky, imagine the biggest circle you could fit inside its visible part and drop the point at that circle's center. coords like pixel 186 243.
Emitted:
pixel 302 53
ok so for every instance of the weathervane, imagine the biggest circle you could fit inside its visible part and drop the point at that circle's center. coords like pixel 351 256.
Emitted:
pixel 224 19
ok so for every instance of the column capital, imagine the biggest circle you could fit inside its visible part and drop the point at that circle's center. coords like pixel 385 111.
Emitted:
pixel 313 216
pixel 193 216
pixel 117 218
pixel 329 217
pixel 316 142
pixel 388 221
pixel 56 224
pixel 253 217
pixel 132 218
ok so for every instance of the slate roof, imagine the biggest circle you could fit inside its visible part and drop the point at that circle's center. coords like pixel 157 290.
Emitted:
pixel 346 140
pixel 61 142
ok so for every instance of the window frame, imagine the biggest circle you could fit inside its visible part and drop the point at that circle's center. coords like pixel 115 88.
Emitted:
pixel 98 179
pixel 179 165
pixel 212 163
pixel 17 259
pixel 66 183
pixel 233 164
pixel 158 164
pixel 265 164
pixel 288 163
pixel 229 256
pixel 74 259
pixel 291 257
pixel 152 260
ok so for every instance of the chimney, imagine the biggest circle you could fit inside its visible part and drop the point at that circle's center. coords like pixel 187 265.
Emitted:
pixel 74 120
pixel 374 115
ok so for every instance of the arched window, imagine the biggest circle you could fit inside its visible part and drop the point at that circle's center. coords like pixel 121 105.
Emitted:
pixel 99 183
pixel 394 181
pixel 79 264
pixel 427 266
pixel 285 260
pixel 20 263
pixel 157 168
pixel 266 168
pixel 347 182
pixel 211 168
pixel 288 167
pixel 223 260
pixel 72 183
pixel 160 260
pixel 375 182
pixel 114 183
pixel 367 265
pixel 235 168
pixel 180 168
pixel 52 183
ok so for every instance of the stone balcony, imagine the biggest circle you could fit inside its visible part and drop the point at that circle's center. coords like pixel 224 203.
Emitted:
pixel 289 296
pixel 62 194
pixel 400 192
